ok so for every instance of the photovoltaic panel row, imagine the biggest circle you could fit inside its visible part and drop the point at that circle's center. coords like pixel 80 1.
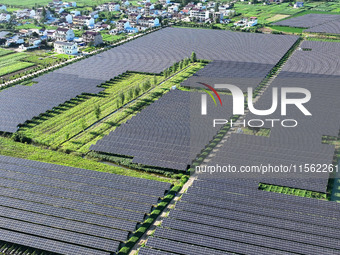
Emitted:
pixel 241 218
pixel 240 74
pixel 253 200
pixel 283 240
pixel 69 214
pixel 152 53
pixel 58 234
pixel 307 21
pixel 225 208
pixel 217 243
pixel 147 251
pixel 46 244
pixel 175 247
pixel 332 27
pixel 80 187
pixel 85 172
pixel 43 202
pixel 81 180
pixel 78 196
pixel 65 224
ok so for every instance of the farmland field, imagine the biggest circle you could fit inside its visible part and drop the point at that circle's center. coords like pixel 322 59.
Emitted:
pixel 277 17
pixel 265 12
pixel 4 52
pixel 112 38
pixel 43 59
pixel 13 62
pixel 328 7
pixel 288 29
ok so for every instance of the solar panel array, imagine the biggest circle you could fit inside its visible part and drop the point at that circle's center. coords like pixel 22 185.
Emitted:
pixel 21 103
pixel 240 74
pixel 169 133
pixel 69 210
pixel 318 71
pixel 227 216
pixel 332 27
pixel 309 20
pixel 151 53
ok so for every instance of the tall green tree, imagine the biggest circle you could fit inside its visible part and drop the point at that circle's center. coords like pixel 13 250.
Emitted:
pixel 122 98
pixel 97 111
pixel 193 57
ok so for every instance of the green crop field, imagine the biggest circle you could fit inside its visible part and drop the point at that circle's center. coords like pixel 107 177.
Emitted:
pixel 78 114
pixel 293 191
pixel 332 6
pixel 264 13
pixel 44 59
pixel 296 30
pixel 112 38
pixel 4 52
pixel 13 62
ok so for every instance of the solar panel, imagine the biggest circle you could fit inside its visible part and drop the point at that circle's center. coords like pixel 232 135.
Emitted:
pixel 309 20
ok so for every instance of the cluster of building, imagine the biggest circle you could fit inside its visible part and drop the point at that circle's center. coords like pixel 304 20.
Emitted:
pixel 246 22
pixel 207 12
pixel 67 19
pixel 127 19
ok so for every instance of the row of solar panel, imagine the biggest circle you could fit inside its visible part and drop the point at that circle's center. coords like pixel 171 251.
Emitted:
pixel 85 172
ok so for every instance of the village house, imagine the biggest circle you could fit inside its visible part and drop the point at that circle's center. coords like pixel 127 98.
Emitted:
pixel 81 21
pixel 39 13
pixel 92 37
pixel 64 34
pixel 4 17
pixel 298 5
pixel 69 48
pixel 199 15
pixel 246 22
pixel 148 22
pixel 114 7
pixel 25 14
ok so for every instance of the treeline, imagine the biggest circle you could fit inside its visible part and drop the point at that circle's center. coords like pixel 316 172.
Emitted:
pixel 182 64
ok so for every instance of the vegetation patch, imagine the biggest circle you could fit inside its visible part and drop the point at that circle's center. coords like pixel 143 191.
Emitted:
pixel 10 63
pixel 277 17
pixel 256 131
pixel 293 30
pixel 266 12
pixel 293 191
